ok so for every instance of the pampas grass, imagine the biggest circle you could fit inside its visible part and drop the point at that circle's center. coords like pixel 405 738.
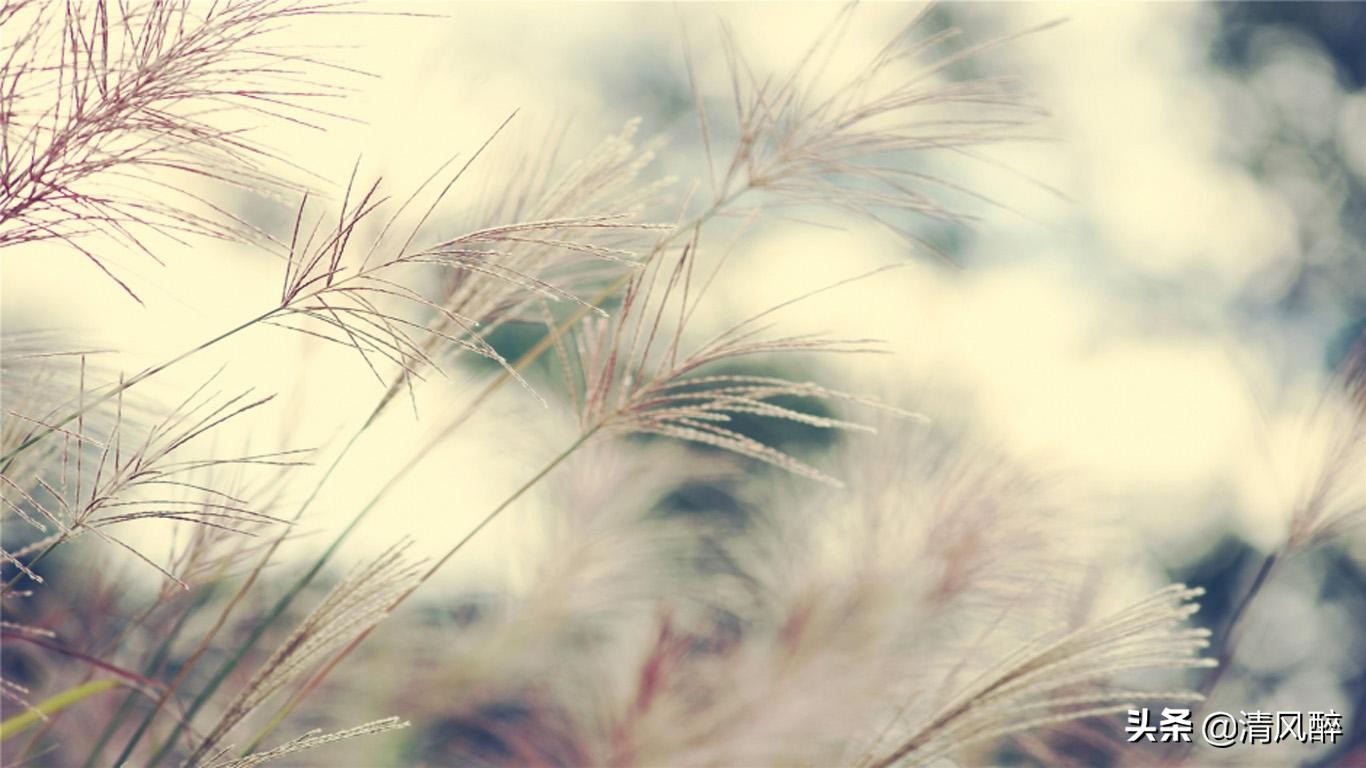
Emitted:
pixel 876 624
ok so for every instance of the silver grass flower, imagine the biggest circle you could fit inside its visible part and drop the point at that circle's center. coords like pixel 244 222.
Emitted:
pixel 872 614
pixel 582 225
pixel 866 145
pixel 354 295
pixel 311 740
pixel 43 377
pixel 117 478
pixel 1068 678
pixel 354 606
pixel 1333 501
pixel 638 377
pixel 931 611
pixel 595 570
pixel 112 112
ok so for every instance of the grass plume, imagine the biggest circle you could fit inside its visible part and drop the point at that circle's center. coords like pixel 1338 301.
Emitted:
pixel 832 624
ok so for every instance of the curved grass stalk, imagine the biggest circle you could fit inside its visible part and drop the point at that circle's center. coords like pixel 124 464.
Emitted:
pixel 54 704
pixel 312 739
pixel 319 286
pixel 1044 677
pixel 630 413
pixel 508 373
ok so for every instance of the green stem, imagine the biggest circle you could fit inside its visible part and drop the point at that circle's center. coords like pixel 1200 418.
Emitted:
pixel 54 705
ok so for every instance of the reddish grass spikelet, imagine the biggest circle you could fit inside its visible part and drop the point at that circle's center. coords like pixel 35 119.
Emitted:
pixel 114 114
